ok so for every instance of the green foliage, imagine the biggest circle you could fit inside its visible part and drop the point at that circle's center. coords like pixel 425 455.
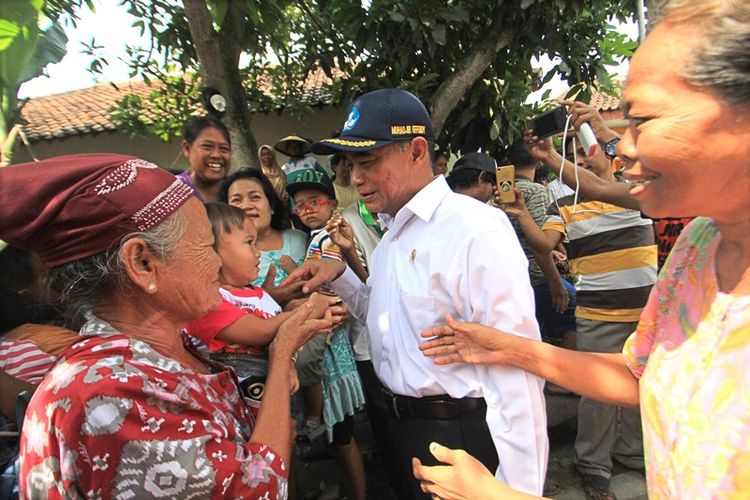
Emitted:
pixel 419 44
pixel 412 44
pixel 25 50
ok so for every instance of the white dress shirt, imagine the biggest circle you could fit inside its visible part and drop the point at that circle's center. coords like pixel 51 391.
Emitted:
pixel 448 253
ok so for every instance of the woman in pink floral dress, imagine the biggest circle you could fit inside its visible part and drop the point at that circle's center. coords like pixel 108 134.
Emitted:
pixel 686 153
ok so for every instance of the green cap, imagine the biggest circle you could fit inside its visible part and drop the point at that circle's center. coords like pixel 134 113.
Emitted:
pixel 309 178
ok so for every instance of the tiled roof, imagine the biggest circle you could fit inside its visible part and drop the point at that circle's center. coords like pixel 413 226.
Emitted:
pixel 78 112
pixel 87 111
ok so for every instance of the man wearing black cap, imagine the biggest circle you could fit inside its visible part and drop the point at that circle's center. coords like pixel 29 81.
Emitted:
pixel 439 256
pixel 474 175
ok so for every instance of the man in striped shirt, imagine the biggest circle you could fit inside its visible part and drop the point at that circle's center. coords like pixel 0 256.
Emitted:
pixel 612 250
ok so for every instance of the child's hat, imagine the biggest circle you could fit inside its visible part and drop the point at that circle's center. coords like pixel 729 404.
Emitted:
pixel 309 178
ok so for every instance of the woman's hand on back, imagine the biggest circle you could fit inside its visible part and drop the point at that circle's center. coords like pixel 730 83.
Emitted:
pixel 466 342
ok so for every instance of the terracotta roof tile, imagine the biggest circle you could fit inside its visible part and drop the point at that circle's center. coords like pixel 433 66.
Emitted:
pixel 87 111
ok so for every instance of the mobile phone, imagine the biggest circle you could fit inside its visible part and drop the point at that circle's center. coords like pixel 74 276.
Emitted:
pixel 506 183
pixel 550 123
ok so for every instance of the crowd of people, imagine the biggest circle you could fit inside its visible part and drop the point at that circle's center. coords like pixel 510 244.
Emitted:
pixel 214 305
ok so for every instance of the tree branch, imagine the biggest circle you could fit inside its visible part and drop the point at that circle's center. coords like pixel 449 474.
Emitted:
pixel 447 95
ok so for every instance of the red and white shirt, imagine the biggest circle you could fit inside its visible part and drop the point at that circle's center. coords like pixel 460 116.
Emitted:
pixel 24 360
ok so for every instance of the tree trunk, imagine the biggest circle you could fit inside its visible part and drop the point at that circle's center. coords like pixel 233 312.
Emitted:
pixel 220 69
pixel 446 97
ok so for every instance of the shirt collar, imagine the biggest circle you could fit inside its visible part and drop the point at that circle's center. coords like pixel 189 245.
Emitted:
pixel 423 205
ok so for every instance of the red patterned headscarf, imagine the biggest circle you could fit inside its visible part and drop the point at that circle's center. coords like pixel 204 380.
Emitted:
pixel 71 207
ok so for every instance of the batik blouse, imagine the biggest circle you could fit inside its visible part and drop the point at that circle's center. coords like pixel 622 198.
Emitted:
pixel 116 418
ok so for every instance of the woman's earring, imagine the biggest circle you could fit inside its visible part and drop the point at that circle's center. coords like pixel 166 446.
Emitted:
pixel 151 287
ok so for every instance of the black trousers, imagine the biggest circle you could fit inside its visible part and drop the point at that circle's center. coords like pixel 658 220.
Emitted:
pixel 412 437
pixel 378 416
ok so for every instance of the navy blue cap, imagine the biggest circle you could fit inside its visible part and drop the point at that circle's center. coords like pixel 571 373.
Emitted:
pixel 377 119
pixel 476 161
pixel 309 178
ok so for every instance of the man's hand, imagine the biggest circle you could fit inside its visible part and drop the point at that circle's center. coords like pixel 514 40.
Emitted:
pixel 466 342
pixel 559 295
pixel 314 273
pixel 462 478
pixel 539 149
pixel 583 113
pixel 517 208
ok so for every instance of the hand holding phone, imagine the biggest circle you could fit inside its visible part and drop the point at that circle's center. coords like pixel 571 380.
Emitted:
pixel 506 183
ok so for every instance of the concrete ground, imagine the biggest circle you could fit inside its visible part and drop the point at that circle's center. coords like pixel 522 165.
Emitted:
pixel 318 477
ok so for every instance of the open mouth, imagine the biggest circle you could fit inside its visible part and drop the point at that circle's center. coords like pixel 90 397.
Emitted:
pixel 218 167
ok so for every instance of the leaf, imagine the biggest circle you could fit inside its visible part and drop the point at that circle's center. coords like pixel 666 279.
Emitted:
pixel 438 34
pixel 50 49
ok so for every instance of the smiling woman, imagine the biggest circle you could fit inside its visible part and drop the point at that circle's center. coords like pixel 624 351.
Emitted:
pixel 207 148
pixel 686 153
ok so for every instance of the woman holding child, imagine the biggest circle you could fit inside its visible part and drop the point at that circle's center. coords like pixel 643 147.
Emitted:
pixel 281 247
pixel 131 410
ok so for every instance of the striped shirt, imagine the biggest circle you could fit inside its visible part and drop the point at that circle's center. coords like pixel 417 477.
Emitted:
pixel 535 198
pixel 24 360
pixel 612 250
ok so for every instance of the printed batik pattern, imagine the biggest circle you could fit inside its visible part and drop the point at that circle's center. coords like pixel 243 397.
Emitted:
pixel 117 419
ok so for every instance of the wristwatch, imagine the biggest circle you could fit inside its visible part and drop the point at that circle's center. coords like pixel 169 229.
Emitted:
pixel 610 149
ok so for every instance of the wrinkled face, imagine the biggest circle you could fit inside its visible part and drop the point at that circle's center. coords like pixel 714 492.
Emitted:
pixel 685 150
pixel 440 165
pixel 314 208
pixel 266 157
pixel 190 278
pixel 209 155
pixel 248 195
pixel 239 255
pixel 381 177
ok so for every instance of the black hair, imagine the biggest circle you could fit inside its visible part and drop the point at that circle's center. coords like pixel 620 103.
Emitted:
pixel 541 174
pixel 224 218
pixel 194 126
pixel 280 218
pixel 466 177
pixel 519 156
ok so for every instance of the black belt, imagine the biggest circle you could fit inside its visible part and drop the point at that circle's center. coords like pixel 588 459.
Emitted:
pixel 441 407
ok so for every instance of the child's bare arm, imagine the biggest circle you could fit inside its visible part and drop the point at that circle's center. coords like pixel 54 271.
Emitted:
pixel 251 330
pixel 341 233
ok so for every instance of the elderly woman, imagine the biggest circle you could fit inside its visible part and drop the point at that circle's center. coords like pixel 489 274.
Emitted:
pixel 131 410
pixel 686 153
pixel 271 169
pixel 208 150
pixel 281 247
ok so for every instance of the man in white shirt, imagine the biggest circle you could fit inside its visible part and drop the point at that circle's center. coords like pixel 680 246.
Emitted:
pixel 442 253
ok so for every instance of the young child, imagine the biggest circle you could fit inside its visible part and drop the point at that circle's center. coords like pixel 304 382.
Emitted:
pixel 315 201
pixel 238 331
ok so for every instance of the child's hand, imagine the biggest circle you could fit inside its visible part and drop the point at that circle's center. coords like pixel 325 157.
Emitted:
pixel 340 313
pixel 293 379
pixel 294 304
pixel 340 233
pixel 287 264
